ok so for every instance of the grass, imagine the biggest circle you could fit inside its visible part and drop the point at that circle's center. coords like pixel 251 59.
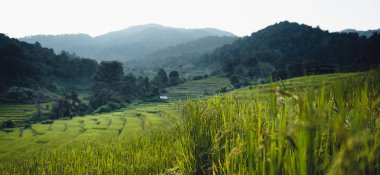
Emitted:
pixel 327 124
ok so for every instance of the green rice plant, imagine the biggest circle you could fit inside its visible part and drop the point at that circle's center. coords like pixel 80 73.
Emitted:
pixel 21 132
pixel 311 125
pixel 65 127
pixel 327 130
pixel 145 153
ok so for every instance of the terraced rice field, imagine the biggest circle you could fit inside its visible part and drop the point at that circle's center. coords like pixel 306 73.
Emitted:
pixel 14 142
pixel 198 88
pixel 18 112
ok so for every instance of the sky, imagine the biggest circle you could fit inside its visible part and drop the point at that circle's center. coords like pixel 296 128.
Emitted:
pixel 20 18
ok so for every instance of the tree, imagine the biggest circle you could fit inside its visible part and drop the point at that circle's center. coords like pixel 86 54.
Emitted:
pixel 174 78
pixel 62 108
pixel 100 97
pixel 142 87
pixel 109 74
pixel 235 81
pixel 129 90
pixel 161 79
pixel 37 103
pixel 106 83
pixel 69 106
pixel 228 68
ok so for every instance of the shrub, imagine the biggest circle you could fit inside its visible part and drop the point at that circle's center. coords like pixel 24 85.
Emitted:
pixel 7 124
pixel 198 77
pixel 19 94
pixel 47 122
pixel 102 109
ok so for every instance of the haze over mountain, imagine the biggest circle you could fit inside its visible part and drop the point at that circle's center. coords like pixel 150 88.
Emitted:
pixel 182 56
pixel 366 33
pixel 128 44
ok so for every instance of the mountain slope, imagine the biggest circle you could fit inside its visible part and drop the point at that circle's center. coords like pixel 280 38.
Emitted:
pixel 289 49
pixel 131 43
pixel 184 55
pixel 26 68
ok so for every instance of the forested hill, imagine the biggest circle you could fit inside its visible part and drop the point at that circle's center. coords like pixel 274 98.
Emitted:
pixel 127 44
pixel 182 56
pixel 287 49
pixel 26 68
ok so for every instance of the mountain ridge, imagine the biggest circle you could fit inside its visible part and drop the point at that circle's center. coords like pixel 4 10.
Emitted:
pixel 126 44
pixel 366 33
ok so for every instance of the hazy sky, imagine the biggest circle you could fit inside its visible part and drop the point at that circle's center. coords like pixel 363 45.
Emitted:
pixel 242 17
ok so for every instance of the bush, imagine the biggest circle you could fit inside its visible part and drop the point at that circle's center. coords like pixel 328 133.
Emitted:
pixel 47 122
pixel 113 104
pixel 222 90
pixel 20 94
pixel 235 81
pixel 43 116
pixel 7 124
pixel 198 77
pixel 153 99
pixel 103 109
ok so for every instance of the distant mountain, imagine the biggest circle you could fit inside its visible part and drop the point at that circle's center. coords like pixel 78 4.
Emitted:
pixel 367 33
pixel 182 56
pixel 128 44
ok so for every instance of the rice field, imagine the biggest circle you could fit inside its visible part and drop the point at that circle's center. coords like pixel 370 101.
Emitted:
pixel 333 129
pixel 197 88
pixel 19 112
pixel 123 125
pixel 327 124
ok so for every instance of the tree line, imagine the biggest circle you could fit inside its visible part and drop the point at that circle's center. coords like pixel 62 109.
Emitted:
pixel 112 89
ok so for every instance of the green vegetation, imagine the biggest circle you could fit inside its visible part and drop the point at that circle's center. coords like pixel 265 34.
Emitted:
pixel 182 57
pixel 19 112
pixel 198 88
pixel 116 137
pixel 285 50
pixel 332 129
pixel 326 124
pixel 28 71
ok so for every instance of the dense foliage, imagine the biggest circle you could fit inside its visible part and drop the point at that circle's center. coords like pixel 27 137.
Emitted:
pixel 288 49
pixel 184 56
pixel 69 105
pixel 111 88
pixel 27 67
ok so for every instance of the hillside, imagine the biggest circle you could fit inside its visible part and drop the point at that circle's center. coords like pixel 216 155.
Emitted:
pixel 306 119
pixel 29 68
pixel 126 44
pixel 180 57
pixel 285 50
